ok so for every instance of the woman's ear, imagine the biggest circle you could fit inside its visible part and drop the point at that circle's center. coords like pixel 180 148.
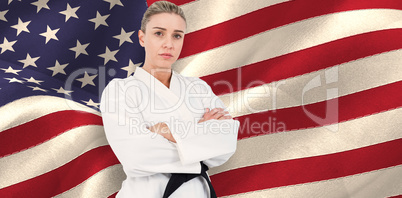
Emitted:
pixel 141 35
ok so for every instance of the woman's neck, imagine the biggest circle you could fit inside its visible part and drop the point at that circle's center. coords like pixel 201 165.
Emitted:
pixel 162 74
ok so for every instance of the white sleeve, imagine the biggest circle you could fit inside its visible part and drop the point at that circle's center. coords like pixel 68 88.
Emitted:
pixel 140 151
pixel 213 141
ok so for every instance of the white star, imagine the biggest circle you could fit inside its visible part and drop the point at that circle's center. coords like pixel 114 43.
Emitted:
pixel 14 80
pixel 40 4
pixel 70 12
pixel 113 3
pixel 131 67
pixel 50 34
pixel 2 15
pixel 7 45
pixel 109 55
pixel 58 68
pixel 9 1
pixel 37 89
pixel 11 70
pixel 87 79
pixel 21 26
pixel 29 61
pixel 99 20
pixel 33 80
pixel 124 36
pixel 91 103
pixel 61 90
pixel 79 49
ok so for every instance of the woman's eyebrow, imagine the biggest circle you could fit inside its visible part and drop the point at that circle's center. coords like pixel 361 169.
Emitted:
pixel 159 28
pixel 181 31
pixel 164 29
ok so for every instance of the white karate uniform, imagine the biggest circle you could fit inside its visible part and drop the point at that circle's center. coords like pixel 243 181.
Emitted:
pixel 129 105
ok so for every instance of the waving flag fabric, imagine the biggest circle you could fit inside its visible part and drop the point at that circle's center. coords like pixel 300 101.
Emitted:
pixel 315 84
pixel 56 57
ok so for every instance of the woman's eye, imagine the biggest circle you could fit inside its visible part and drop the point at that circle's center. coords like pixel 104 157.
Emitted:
pixel 177 36
pixel 158 33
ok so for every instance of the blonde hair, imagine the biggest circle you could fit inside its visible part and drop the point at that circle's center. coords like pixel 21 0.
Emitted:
pixel 161 7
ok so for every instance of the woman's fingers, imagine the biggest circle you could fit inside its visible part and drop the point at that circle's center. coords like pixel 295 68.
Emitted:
pixel 212 113
pixel 220 114
pixel 225 117
pixel 216 113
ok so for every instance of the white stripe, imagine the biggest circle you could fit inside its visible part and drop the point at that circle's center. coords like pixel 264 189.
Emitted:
pixel 380 183
pixel 26 109
pixel 50 155
pixel 304 143
pixel 103 184
pixel 345 79
pixel 201 14
pixel 288 38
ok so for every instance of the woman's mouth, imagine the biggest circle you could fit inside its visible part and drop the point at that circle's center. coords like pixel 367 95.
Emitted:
pixel 166 55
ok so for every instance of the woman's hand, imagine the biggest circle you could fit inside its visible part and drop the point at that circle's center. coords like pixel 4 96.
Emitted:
pixel 162 129
pixel 216 113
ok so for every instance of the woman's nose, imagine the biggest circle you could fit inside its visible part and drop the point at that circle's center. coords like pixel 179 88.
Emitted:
pixel 168 43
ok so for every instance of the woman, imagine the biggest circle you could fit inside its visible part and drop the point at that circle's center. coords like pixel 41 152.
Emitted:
pixel 166 129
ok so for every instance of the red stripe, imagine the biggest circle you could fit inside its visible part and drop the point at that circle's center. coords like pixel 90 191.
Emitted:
pixel 307 60
pixel 42 129
pixel 340 109
pixel 261 20
pixel 64 177
pixel 113 195
pixel 309 169
pixel 177 2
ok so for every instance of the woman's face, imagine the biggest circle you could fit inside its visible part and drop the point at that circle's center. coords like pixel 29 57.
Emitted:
pixel 163 39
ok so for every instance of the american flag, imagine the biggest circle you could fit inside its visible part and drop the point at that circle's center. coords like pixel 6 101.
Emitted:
pixel 316 86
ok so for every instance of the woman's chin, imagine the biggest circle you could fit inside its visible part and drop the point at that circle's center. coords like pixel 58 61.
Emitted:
pixel 166 63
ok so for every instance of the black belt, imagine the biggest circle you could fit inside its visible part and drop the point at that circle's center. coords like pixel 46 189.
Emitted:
pixel 177 179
